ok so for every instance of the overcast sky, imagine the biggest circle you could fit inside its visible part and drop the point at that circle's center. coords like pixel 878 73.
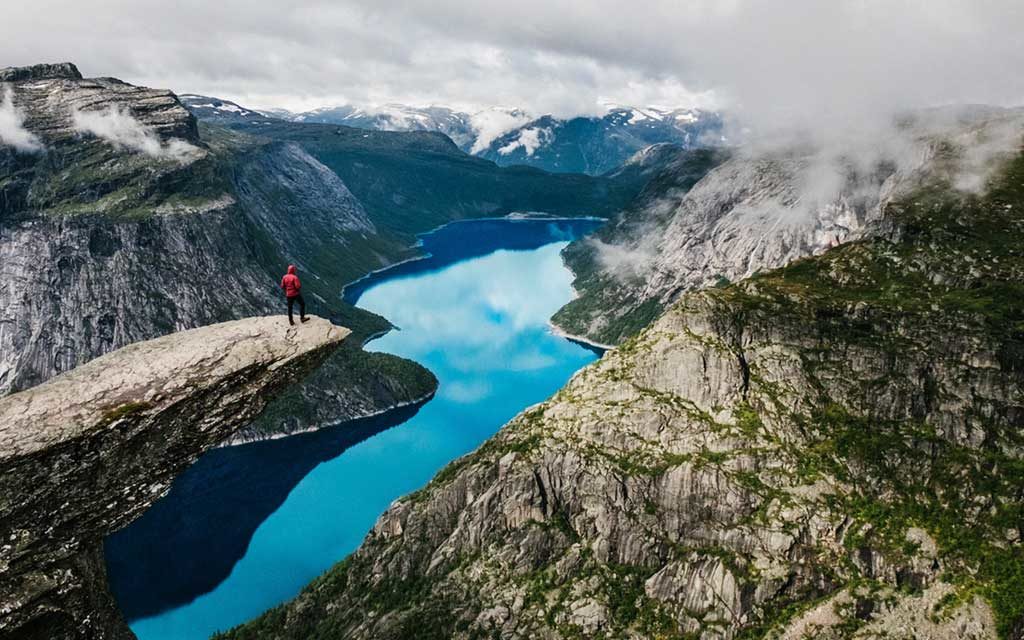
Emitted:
pixel 781 59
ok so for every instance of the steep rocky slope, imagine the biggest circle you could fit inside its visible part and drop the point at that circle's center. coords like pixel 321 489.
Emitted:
pixel 759 210
pixel 122 219
pixel 609 265
pixel 412 182
pixel 107 237
pixel 87 452
pixel 828 450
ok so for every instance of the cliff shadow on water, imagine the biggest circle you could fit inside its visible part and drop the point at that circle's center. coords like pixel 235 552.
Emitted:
pixel 237 487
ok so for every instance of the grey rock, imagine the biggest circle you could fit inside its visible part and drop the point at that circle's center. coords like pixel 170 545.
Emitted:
pixel 87 452
pixel 49 94
pixel 757 211
pixel 61 70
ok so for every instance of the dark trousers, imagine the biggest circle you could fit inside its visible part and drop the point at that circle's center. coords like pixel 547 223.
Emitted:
pixel 302 307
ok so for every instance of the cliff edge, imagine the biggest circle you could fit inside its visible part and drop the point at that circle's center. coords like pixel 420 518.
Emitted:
pixel 85 453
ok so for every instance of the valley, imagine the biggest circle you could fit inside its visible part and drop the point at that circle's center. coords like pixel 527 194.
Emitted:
pixel 492 355
pixel 593 145
pixel 596 377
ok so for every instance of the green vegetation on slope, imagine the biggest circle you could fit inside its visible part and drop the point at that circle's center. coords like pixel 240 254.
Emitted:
pixel 356 381
pixel 604 310
pixel 412 182
pixel 955 276
pixel 909 357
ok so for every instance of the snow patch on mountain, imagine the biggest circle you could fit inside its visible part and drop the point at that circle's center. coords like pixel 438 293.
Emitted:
pixel 493 123
pixel 529 140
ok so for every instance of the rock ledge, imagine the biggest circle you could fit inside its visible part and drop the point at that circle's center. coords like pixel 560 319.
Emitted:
pixel 85 453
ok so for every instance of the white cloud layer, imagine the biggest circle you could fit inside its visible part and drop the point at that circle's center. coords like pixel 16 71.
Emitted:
pixel 770 61
pixel 12 127
pixel 121 130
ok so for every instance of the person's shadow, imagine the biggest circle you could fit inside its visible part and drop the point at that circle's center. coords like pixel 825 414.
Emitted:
pixel 203 526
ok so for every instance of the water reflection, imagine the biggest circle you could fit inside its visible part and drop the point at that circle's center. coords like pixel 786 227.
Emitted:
pixel 480 324
pixel 194 557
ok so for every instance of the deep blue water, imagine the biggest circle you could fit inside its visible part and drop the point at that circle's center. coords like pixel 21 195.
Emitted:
pixel 247 527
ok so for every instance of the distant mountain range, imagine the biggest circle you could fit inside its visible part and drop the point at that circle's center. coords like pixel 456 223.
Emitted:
pixel 593 145
pixel 597 145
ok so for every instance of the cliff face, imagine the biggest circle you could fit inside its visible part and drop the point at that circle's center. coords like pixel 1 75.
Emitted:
pixel 757 210
pixel 828 450
pixel 87 452
pixel 74 287
pixel 103 244
pixel 142 222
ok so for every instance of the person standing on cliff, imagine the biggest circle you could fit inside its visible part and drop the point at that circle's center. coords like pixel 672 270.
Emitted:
pixel 293 293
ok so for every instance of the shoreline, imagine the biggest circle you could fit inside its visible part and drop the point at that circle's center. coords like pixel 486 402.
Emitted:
pixel 562 333
pixel 556 330
pixel 511 217
pixel 236 442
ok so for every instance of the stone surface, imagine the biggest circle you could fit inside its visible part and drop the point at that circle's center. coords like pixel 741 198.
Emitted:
pixel 85 453
pixel 60 70
pixel 49 94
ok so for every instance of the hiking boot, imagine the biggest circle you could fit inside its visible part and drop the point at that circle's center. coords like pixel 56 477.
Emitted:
pixel 304 319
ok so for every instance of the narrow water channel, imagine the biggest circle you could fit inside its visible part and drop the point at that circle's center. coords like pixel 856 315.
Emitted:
pixel 247 527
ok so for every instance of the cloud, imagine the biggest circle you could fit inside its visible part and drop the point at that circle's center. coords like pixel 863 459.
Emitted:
pixel 768 61
pixel 637 245
pixel 12 127
pixel 120 129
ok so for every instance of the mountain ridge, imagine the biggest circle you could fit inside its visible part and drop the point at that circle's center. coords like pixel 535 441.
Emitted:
pixel 593 145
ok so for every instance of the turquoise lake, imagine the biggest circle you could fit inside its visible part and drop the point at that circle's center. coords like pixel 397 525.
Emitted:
pixel 247 527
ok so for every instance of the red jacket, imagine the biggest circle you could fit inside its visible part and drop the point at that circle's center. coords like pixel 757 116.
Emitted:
pixel 290 283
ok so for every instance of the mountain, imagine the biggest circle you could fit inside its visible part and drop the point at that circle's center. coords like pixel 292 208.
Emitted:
pixel 590 145
pixel 396 117
pixel 598 145
pixel 137 220
pixel 827 449
pixel 752 212
pixel 221 111
pixel 470 131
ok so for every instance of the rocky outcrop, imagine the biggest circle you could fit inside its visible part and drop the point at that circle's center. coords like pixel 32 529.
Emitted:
pixel 87 452
pixel 59 70
pixel 49 95
pixel 846 431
